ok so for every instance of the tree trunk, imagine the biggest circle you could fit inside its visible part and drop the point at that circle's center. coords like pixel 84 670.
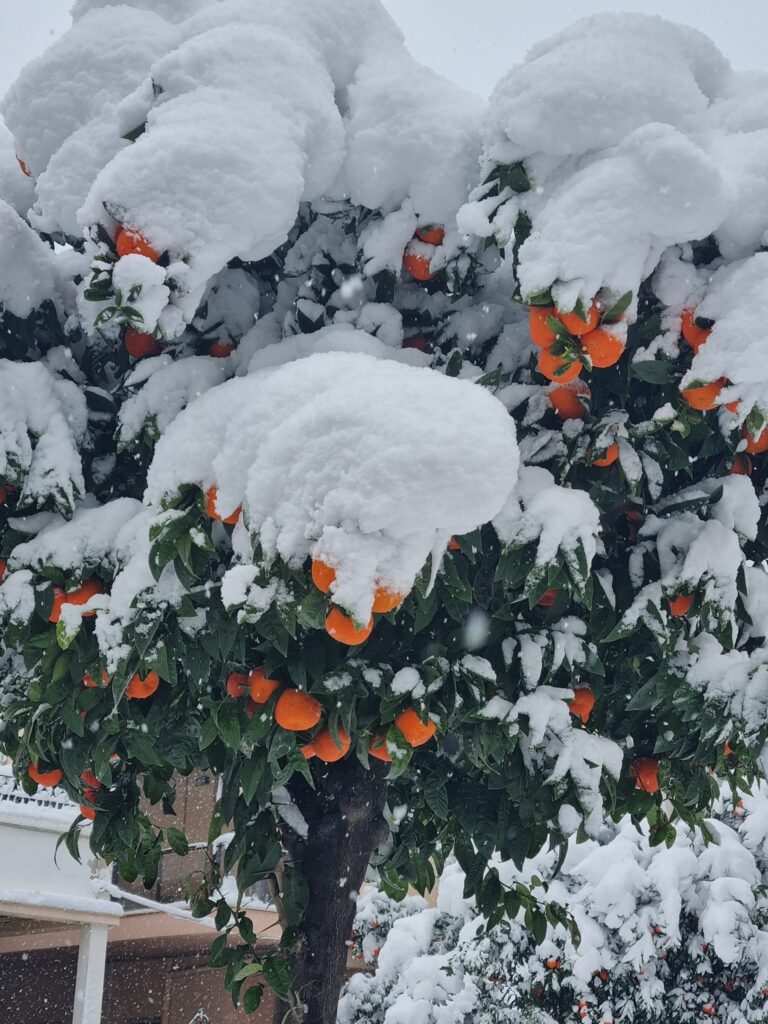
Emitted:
pixel 346 824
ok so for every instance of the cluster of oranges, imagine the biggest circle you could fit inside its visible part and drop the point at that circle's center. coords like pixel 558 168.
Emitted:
pixel 420 250
pixel 128 242
pixel 90 786
pixel 340 626
pixel 298 711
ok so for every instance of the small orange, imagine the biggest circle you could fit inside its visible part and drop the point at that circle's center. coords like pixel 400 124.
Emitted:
pixel 88 812
pixel 433 234
pixel 342 628
pixel 24 169
pixel 378 748
pixel 453 545
pixel 582 703
pixel 91 683
pixel 708 1009
pixel 90 780
pixel 680 605
pixel 308 751
pixel 237 685
pixel 548 598
pixel 727 750
pixel 221 348
pixel 47 779
pixel 130 243
pixel 565 399
pixel 80 596
pixel 323 575
pixel 645 771
pixel 418 265
pixel 603 348
pixel 704 398
pixel 140 345
pixel 418 341
pixel 611 455
pixel 755 445
pixel 553 964
pixel 558 369
pixel 140 689
pixel 327 749
pixel 742 466
pixel 542 335
pixel 386 600
pixel 694 335
pixel 260 686
pixel 574 324
pixel 3 569
pixel 296 711
pixel 415 731
pixel 212 511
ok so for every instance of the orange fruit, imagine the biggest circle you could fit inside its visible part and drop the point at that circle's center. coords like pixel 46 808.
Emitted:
pixel 327 749
pixel 261 687
pixel 130 243
pixel 308 751
pixel 680 605
pixel 573 323
pixel 415 731
pixel 88 812
pixel 342 628
pixel 553 964
pixel 323 575
pixel 645 771
pixel 3 569
pixel 378 748
pixel 296 711
pixel 81 596
pixel 140 689
pixel 418 265
pixel 542 335
pixel 221 348
pixel 418 341
pixel 558 369
pixel 727 750
pixel 582 703
pixel 237 685
pixel 694 335
pixel 755 445
pixel 705 397
pixel 139 344
pixel 24 169
pixel 742 466
pixel 91 683
pixel 708 1009
pixel 47 779
pixel 386 600
pixel 433 234
pixel 611 455
pixel 565 399
pixel 453 545
pixel 603 348
pixel 213 512
pixel 90 780
pixel 548 598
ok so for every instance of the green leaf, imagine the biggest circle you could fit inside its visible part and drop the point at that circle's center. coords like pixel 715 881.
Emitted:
pixel 178 842
pixel 653 371
pixel 248 971
pixel 618 309
pixel 252 998
pixel 228 722
pixel 278 974
pixel 251 772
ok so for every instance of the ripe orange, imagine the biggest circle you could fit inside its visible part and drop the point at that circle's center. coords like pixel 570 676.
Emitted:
pixel 415 731
pixel 23 166
pixel 705 397
pixel 296 711
pixel 575 325
pixel 433 234
pixel 91 683
pixel 308 751
pixel 541 335
pixel 130 243
pixel 583 702
pixel 755 445
pixel 90 780
pixel 378 748
pixel 212 511
pixel 81 596
pixel 742 466
pixel 611 455
pixel 565 399
pixel 323 575
pixel 326 748
pixel 418 265
pixel 139 345
pixel 386 600
pixel 418 341
pixel 645 771
pixel 558 369
pixel 88 812
pixel 694 335
pixel 237 685
pixel 342 628
pixel 221 348
pixel 453 545
pixel 680 605
pixel 708 1009
pixel 47 779
pixel 548 598
pixel 260 686
pixel 140 689
pixel 3 569
pixel 553 964
pixel 603 348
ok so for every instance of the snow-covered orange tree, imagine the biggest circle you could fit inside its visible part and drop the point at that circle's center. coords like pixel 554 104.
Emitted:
pixel 266 383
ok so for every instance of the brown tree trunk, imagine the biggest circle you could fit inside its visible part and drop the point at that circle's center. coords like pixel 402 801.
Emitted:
pixel 346 824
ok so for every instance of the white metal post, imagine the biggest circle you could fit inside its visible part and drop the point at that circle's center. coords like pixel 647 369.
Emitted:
pixel 91 965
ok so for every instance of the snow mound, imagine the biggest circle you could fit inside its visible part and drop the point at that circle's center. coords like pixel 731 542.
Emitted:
pixel 368 464
pixel 27 276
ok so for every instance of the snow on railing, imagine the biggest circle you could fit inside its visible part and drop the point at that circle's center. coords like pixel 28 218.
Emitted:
pixel 44 800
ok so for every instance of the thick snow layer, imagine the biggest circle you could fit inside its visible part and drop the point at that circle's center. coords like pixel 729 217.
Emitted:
pixel 27 274
pixel 368 464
